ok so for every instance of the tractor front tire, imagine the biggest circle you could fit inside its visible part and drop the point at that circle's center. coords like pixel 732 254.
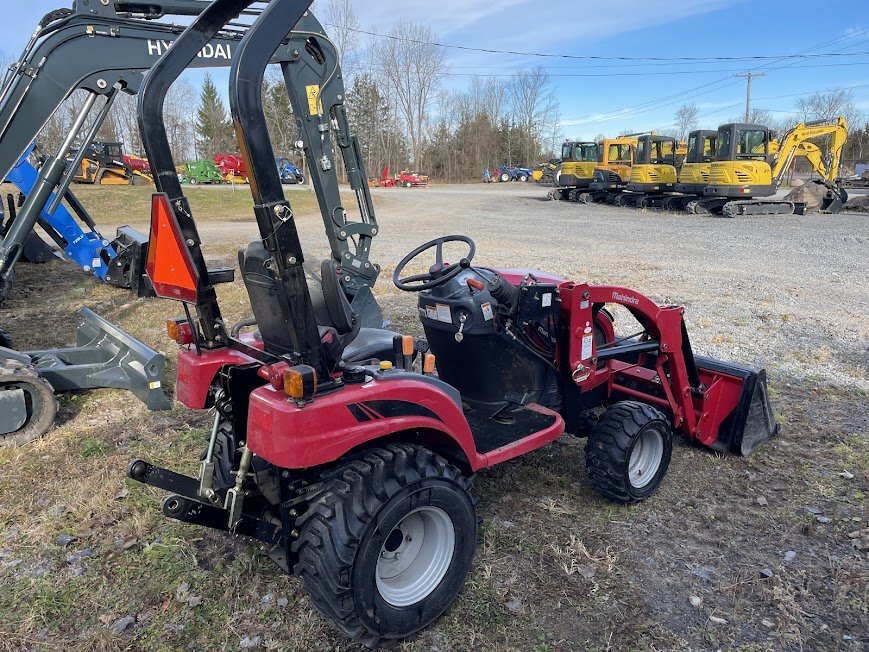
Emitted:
pixel 504 177
pixel 386 542
pixel 628 452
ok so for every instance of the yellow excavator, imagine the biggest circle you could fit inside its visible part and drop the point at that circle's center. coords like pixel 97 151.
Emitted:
pixel 694 173
pixel 748 167
pixel 653 174
pixel 574 174
pixel 613 170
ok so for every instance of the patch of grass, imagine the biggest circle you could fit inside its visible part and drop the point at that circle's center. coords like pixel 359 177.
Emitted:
pixel 92 447
pixel 208 203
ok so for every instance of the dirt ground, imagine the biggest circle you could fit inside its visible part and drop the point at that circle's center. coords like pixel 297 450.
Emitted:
pixel 761 553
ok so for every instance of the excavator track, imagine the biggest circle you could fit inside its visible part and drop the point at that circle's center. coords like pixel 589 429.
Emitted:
pixel 754 207
pixel 28 404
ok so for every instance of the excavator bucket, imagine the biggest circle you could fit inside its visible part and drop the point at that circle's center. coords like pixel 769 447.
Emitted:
pixel 743 412
pixel 834 200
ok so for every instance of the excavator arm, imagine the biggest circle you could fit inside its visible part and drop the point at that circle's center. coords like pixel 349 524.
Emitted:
pixel 104 49
pixel 795 143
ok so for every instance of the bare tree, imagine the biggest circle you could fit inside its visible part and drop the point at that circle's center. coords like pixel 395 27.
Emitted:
pixel 180 119
pixel 686 120
pixel 343 26
pixel 756 116
pixel 413 66
pixel 534 108
pixel 279 112
pixel 829 105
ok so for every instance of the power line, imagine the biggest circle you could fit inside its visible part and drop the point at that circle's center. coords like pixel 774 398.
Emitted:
pixel 592 57
pixel 482 71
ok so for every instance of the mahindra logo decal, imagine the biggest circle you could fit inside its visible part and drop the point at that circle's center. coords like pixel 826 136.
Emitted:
pixel 617 296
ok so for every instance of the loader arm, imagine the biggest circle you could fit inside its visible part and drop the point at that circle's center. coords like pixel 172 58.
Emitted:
pixel 791 146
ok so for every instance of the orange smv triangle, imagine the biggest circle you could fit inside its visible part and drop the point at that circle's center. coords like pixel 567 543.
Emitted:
pixel 169 265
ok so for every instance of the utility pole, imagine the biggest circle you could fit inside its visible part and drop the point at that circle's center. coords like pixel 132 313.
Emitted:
pixel 748 75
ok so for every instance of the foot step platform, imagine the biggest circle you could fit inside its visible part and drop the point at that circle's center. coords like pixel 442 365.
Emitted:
pixel 505 426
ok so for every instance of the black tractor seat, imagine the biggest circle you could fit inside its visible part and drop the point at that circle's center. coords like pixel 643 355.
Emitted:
pixel 343 338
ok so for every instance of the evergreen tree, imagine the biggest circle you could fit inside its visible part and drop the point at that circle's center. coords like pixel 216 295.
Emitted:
pixel 213 128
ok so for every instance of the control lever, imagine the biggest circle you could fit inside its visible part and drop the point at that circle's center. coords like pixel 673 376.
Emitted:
pixel 462 319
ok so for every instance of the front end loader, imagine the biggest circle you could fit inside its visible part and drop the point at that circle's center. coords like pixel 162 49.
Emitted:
pixel 347 453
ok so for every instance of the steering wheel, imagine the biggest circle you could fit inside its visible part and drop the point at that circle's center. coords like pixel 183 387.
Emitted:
pixel 439 273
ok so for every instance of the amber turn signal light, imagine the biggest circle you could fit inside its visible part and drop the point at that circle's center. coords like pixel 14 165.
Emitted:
pixel 300 382
pixel 179 331
pixel 428 364
pixel 407 345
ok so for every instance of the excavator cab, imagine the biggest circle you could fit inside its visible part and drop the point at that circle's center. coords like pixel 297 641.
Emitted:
pixel 614 169
pixel 654 170
pixel 694 174
pixel 578 161
pixel 741 169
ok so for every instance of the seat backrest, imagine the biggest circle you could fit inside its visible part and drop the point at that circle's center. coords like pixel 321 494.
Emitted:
pixel 270 308
pixel 342 317
pixel 271 311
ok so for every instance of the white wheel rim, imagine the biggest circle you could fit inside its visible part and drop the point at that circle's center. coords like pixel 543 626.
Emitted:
pixel 415 556
pixel 645 458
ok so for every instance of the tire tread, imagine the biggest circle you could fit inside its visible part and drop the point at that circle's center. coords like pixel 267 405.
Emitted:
pixel 608 447
pixel 345 502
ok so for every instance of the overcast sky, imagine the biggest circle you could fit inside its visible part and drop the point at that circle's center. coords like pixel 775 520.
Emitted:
pixel 612 97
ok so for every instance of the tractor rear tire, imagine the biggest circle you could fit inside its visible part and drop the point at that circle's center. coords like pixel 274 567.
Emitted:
pixel 41 404
pixel 367 513
pixel 628 452
pixel 504 177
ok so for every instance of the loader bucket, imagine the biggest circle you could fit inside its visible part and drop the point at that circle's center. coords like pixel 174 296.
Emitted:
pixel 105 356
pixel 742 414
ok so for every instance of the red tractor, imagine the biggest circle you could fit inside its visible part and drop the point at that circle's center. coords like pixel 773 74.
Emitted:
pixel 347 453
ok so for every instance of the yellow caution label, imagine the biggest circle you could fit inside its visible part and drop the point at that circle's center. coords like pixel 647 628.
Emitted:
pixel 313 92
